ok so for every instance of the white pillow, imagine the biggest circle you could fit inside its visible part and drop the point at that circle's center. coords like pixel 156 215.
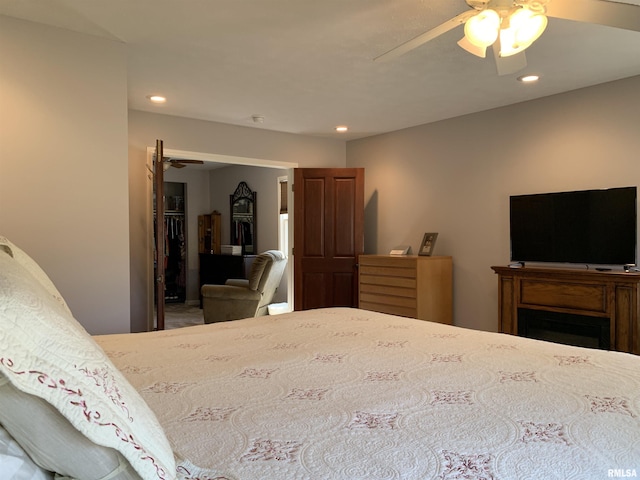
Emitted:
pixel 46 353
pixel 34 269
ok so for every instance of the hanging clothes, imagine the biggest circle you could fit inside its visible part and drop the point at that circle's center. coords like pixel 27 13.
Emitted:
pixel 175 258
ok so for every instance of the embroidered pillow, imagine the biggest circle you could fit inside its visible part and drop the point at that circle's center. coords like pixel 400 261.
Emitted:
pixel 46 353
pixel 34 269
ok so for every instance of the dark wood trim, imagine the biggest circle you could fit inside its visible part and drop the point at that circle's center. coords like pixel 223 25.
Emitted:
pixel 159 209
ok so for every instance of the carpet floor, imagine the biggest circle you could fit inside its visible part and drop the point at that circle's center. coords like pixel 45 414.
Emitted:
pixel 177 315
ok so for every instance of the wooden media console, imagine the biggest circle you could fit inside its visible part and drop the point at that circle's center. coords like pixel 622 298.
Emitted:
pixel 606 300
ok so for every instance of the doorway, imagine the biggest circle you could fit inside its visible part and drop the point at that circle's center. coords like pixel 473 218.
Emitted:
pixel 211 163
pixel 175 223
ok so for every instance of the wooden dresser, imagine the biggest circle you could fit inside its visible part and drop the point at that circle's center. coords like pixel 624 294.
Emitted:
pixel 407 285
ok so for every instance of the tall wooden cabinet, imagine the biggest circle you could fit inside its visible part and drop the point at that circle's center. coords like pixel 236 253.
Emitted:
pixel 407 285
pixel 209 233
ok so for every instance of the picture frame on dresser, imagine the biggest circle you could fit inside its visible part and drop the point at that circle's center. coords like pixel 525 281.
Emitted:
pixel 428 244
pixel 401 250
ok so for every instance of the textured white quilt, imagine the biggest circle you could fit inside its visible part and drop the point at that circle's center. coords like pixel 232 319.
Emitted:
pixel 351 394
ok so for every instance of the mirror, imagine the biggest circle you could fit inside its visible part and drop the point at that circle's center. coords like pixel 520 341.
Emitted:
pixel 243 219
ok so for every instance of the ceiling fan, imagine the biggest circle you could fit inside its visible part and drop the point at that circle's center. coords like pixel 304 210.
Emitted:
pixel 178 162
pixel 510 26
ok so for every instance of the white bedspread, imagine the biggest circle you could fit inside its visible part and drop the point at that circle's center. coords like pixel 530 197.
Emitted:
pixel 351 394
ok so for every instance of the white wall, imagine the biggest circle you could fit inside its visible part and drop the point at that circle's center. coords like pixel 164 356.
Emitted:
pixel 63 164
pixel 201 136
pixel 455 177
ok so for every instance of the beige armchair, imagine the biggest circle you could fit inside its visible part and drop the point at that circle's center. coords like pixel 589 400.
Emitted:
pixel 239 298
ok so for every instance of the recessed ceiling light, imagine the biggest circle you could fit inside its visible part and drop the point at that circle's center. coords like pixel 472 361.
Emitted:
pixel 342 128
pixel 157 98
pixel 528 78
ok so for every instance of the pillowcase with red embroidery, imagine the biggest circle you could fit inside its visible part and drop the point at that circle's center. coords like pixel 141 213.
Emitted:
pixel 46 353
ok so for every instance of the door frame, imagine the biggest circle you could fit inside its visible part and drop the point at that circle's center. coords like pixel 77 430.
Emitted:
pixel 287 167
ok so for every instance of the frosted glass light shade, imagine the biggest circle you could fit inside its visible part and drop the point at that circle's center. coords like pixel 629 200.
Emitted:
pixel 524 28
pixel 482 29
pixel 471 48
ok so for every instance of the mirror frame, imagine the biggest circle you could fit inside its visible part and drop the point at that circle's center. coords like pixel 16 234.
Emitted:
pixel 243 194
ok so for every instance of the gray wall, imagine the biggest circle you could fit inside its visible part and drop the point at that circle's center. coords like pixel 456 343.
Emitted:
pixel 455 177
pixel 63 164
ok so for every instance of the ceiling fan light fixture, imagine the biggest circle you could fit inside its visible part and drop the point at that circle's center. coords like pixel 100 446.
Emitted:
pixel 524 28
pixel 471 48
pixel 529 25
pixel 482 29
pixel 508 45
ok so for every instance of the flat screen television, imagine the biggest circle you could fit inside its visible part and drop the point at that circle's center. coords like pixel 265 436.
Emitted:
pixel 589 226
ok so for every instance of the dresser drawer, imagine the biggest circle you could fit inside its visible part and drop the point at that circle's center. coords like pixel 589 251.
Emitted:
pixel 409 286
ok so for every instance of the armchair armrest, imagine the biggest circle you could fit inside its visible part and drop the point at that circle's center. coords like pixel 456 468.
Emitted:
pixel 229 292
pixel 228 302
pixel 238 282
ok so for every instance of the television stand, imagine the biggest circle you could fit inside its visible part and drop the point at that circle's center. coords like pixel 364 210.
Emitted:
pixel 611 296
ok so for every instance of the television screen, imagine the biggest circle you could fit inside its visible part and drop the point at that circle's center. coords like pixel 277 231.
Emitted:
pixel 590 226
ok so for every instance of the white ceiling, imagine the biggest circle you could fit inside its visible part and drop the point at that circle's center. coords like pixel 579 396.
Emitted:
pixel 307 65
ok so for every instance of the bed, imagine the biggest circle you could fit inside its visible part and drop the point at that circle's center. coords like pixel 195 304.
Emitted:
pixel 334 393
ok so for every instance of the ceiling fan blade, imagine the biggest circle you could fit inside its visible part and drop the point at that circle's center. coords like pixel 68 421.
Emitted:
pixel 177 165
pixel 427 36
pixel 601 12
pixel 510 64
pixel 196 162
